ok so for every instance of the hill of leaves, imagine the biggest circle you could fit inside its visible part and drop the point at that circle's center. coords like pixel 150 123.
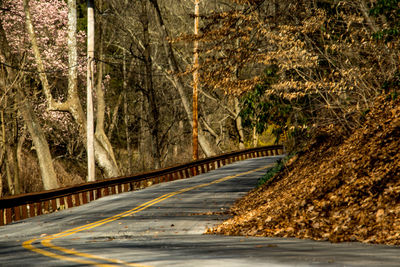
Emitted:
pixel 341 188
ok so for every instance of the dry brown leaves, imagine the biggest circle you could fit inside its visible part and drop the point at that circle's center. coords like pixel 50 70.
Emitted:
pixel 341 189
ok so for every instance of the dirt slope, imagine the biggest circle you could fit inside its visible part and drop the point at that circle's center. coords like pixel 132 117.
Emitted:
pixel 340 189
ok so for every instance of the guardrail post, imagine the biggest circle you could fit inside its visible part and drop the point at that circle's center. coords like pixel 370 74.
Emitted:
pixel 106 191
pixel 62 203
pixel 84 197
pixel 69 201
pixel 91 195
pixel 39 208
pixel 77 200
pixel 17 214
pixel 46 206
pixel 113 190
pixel 31 210
pixel 53 204
pixel 202 168
pixel 24 209
pixel 8 216
pixel 99 193
pixel 2 217
pixel 126 187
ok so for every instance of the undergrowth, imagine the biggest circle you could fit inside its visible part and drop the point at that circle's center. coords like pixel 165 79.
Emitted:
pixel 274 170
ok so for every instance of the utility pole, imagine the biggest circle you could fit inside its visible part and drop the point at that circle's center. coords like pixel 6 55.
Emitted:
pixel 90 82
pixel 195 81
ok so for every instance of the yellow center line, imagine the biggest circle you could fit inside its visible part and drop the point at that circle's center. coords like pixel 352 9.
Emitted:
pixel 47 240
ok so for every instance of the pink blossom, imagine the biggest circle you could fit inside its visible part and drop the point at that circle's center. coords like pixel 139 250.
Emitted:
pixel 50 20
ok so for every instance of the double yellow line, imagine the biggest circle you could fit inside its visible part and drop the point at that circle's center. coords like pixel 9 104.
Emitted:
pixel 88 259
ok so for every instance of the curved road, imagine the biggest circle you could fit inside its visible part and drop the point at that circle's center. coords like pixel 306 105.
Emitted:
pixel 162 226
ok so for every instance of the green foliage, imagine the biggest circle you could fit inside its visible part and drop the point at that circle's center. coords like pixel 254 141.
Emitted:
pixel 393 83
pixel 390 10
pixel 394 95
pixel 259 110
pixel 81 7
pixel 274 170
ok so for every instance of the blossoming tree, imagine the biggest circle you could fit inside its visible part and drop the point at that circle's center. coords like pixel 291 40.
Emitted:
pixel 46 32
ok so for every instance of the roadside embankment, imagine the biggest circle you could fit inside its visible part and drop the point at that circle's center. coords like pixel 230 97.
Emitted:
pixel 338 189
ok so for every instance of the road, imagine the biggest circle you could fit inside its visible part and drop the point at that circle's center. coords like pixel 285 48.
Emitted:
pixel 162 225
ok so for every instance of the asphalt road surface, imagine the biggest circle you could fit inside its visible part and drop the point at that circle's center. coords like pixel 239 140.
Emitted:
pixel 162 226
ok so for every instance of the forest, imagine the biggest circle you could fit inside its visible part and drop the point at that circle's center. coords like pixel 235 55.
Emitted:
pixel 267 71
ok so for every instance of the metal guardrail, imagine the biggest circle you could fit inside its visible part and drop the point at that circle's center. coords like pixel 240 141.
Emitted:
pixel 19 207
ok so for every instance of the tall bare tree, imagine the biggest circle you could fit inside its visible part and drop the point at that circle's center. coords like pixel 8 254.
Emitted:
pixel 48 173
pixel 177 81
pixel 154 122
pixel 73 104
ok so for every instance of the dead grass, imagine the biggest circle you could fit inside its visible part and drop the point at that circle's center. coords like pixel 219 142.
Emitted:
pixel 30 178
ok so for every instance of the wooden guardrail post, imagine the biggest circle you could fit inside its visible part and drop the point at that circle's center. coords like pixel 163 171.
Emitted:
pixel 8 216
pixel 2 217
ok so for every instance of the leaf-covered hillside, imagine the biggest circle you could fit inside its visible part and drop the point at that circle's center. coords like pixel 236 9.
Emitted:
pixel 338 189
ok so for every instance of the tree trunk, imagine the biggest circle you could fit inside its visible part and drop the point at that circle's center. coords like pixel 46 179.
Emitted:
pixel 173 65
pixel 114 115
pixel 19 151
pixel 127 132
pixel 73 104
pixel 238 123
pixel 4 152
pixel 14 154
pixel 2 149
pixel 10 181
pixel 49 176
pixel 101 105
pixel 255 137
pixel 126 115
pixel 154 122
